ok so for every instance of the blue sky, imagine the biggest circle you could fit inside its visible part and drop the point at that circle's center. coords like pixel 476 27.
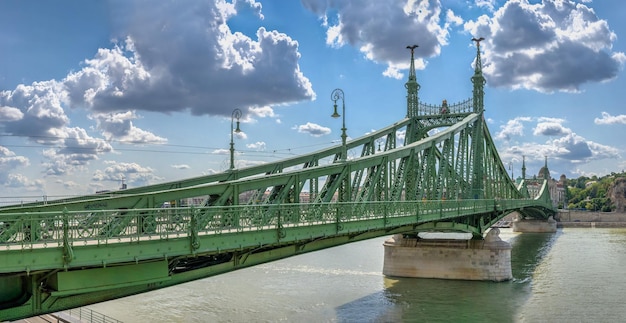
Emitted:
pixel 96 92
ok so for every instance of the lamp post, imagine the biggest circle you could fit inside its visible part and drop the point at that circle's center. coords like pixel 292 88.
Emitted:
pixel 336 95
pixel 236 115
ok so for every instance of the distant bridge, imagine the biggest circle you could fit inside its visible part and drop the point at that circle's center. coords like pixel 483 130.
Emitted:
pixel 67 253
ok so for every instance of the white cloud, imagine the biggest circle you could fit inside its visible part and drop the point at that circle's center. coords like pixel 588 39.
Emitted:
pixel 17 180
pixel 259 146
pixel 132 173
pixel 10 114
pixel 119 127
pixel 578 150
pixel 207 71
pixel 567 150
pixel 489 4
pixel 181 166
pixel 75 149
pixel 71 185
pixel 220 151
pixel 40 114
pixel 547 46
pixel 313 129
pixel 453 19
pixel 262 112
pixel 9 162
pixel 551 128
pixel 381 30
pixel 512 128
pixel 609 119
pixel 240 135
pixel 211 71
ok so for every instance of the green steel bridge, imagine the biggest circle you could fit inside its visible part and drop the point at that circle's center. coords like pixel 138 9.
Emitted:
pixel 67 253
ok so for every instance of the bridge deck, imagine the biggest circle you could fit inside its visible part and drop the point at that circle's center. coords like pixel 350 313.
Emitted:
pixel 165 233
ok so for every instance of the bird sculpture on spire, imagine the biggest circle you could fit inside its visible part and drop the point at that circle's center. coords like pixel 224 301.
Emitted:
pixel 412 48
pixel 478 40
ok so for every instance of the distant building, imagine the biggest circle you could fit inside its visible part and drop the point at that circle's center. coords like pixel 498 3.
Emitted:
pixel 557 188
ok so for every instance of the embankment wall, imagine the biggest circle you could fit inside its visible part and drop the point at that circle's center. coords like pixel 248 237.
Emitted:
pixel 587 219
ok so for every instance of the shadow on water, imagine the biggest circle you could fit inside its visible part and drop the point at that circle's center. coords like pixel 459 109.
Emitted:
pixel 438 300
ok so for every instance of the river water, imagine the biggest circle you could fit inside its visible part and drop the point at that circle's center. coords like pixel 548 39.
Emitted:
pixel 574 275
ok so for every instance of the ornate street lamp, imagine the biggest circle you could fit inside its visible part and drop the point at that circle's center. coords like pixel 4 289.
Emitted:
pixel 336 95
pixel 236 115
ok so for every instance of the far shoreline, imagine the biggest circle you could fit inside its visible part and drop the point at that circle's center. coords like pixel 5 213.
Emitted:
pixel 590 219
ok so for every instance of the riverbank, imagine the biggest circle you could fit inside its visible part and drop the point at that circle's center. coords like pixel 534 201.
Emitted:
pixel 590 219
pixel 591 224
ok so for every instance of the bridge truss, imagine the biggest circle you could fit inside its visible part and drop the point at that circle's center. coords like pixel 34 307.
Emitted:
pixel 436 169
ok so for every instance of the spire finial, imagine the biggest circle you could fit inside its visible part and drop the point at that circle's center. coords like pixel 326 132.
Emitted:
pixel 479 64
pixel 478 79
pixel 412 68
pixel 412 87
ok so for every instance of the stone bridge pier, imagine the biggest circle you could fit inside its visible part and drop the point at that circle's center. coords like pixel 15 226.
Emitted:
pixel 534 225
pixel 487 260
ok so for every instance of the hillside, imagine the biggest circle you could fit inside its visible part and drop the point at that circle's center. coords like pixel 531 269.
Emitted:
pixel 606 194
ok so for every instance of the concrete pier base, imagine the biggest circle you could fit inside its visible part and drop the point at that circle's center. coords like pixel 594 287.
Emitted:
pixel 534 225
pixel 488 259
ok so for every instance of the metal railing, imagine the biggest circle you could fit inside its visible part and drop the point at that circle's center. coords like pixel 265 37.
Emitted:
pixel 74 228
pixel 84 314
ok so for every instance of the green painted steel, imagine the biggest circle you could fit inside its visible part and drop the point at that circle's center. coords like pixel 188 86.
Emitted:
pixel 67 253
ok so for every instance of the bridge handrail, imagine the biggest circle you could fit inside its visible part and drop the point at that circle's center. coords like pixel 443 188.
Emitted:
pixel 54 229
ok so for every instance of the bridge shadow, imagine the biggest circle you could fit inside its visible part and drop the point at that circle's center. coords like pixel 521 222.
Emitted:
pixel 438 300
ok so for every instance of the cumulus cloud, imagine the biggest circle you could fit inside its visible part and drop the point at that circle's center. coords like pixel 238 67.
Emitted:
pixel 609 119
pixel 259 146
pixel 181 166
pixel 567 152
pixel 313 129
pixel 221 151
pixel 548 46
pixel 566 148
pixel 381 30
pixel 119 127
pixel 551 128
pixel 489 4
pixel 34 111
pixel 132 173
pixel 577 149
pixel 21 181
pixel 208 71
pixel 9 162
pixel 262 112
pixel 512 128
pixel 166 58
pixel 74 150
pixel 10 114
pixel 240 135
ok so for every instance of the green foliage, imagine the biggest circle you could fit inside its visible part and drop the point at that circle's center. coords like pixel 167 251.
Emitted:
pixel 591 193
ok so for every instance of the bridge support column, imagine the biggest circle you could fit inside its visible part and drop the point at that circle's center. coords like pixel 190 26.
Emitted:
pixel 534 225
pixel 488 259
